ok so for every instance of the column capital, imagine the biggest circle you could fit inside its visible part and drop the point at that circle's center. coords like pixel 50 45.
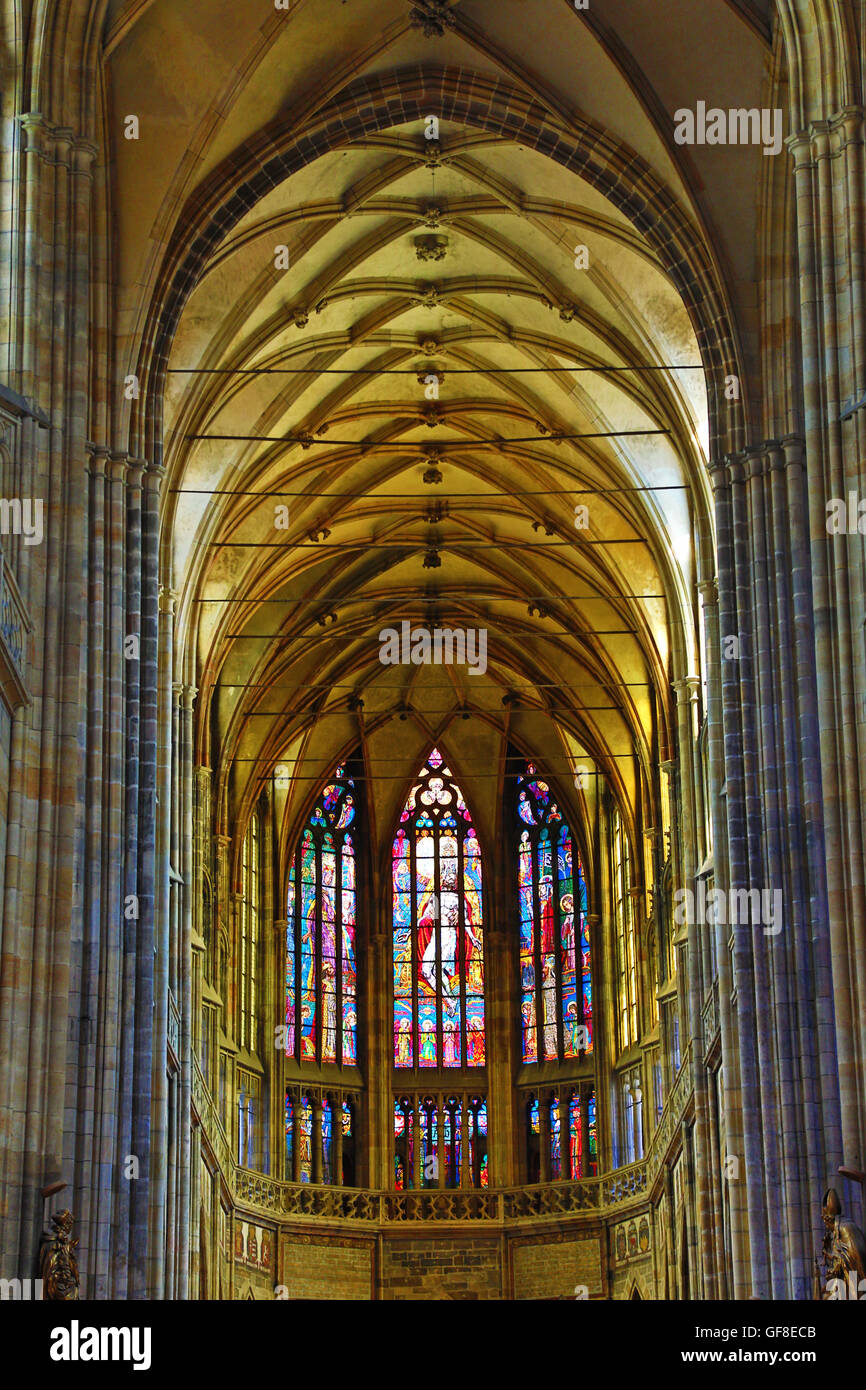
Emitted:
pixel 687 688
pixel 97 459
pixel 153 476
pixel 118 466
pixel 137 467
pixel 185 695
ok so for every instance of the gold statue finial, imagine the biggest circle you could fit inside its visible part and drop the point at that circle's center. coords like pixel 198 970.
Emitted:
pixel 844 1251
pixel 57 1263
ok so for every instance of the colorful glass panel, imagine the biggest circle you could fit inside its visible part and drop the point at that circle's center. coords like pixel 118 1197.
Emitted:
pixel 321 912
pixel 555 986
pixel 437 910
pixel 305 1136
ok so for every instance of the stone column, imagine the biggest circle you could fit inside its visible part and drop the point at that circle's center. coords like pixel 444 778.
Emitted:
pixel 828 159
pixel 188 1213
pixel 687 691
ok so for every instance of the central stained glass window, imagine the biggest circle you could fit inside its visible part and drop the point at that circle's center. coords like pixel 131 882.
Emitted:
pixel 438 937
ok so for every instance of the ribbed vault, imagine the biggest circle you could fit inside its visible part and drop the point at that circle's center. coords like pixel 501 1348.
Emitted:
pixel 386 372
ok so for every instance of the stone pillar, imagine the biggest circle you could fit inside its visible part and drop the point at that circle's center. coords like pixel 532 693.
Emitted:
pixel 687 691
pixel 828 156
pixel 188 1212
pixel 733 1119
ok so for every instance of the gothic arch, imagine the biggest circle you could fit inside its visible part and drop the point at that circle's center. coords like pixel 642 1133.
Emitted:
pixel 371 104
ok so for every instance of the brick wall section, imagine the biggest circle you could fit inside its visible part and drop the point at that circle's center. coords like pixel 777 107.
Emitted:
pixel 323 1269
pixel 553 1270
pixel 441 1269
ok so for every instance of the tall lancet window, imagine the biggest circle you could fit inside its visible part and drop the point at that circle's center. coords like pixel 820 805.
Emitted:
pixel 321 980
pixel 626 955
pixel 438 940
pixel 555 975
pixel 249 937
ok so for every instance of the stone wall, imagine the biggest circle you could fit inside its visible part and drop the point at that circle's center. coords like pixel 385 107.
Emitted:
pixel 448 1267
pixel 327 1267
pixel 556 1266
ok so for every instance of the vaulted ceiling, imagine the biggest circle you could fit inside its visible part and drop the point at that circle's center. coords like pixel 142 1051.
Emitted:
pixel 478 265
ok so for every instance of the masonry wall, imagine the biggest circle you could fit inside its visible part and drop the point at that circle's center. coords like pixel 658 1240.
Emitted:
pixel 328 1267
pixel 442 1268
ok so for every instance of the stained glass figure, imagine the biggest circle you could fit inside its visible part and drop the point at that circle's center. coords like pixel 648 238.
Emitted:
pixel 478 1141
pixel 321 969
pixel 561 1136
pixel 305 1128
pixel 555 986
pixel 327 1139
pixel 437 912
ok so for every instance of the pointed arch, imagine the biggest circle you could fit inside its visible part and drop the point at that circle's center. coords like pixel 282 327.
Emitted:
pixel 437 911
pixel 321 924
pixel 555 964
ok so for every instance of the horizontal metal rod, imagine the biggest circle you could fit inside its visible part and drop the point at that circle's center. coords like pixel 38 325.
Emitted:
pixel 413 371
pixel 443 444
pixel 401 496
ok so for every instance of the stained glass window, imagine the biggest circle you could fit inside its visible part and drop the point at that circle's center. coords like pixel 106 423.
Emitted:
pixel 320 1137
pixel 249 938
pixel 555 973
pixel 321 979
pixel 625 936
pixel 478 1141
pixel 305 1136
pixel 327 1137
pixel 249 1120
pixel 440 1141
pixel 438 934
pixel 561 1135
